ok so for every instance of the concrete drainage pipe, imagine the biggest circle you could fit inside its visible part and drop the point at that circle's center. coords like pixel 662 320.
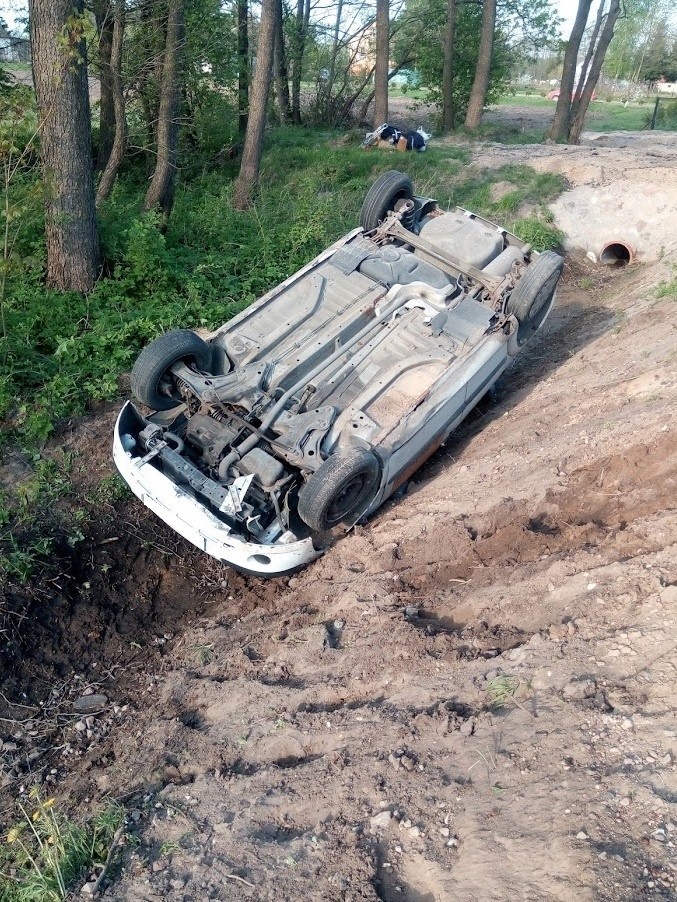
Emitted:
pixel 616 253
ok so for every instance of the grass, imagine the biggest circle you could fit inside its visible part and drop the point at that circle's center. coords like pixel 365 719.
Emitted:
pixel 602 116
pixel 46 854
pixel 667 289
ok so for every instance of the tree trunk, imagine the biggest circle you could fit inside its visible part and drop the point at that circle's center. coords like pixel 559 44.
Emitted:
pixel 298 48
pixel 60 78
pixel 560 124
pixel 242 65
pixel 578 87
pixel 281 78
pixel 448 68
pixel 578 119
pixel 478 94
pixel 335 47
pixel 120 140
pixel 253 142
pixel 103 16
pixel 161 189
pixel 382 62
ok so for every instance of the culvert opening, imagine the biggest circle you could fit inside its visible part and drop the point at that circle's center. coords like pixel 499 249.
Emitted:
pixel 616 253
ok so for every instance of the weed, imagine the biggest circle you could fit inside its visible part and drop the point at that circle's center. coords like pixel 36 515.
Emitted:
pixel 110 490
pixel 501 689
pixel 203 652
pixel 46 854
pixel 168 848
pixel 667 289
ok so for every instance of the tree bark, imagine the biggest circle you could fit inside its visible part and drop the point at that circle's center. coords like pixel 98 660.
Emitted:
pixel 560 125
pixel 120 140
pixel 448 68
pixel 281 76
pixel 161 189
pixel 60 78
pixel 578 87
pixel 298 48
pixel 253 142
pixel 103 16
pixel 478 94
pixel 382 62
pixel 242 65
pixel 578 118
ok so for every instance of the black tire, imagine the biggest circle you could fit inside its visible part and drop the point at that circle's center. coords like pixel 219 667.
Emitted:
pixel 531 300
pixel 340 489
pixel 381 198
pixel 150 382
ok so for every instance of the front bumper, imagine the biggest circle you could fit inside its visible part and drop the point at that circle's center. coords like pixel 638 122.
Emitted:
pixel 191 519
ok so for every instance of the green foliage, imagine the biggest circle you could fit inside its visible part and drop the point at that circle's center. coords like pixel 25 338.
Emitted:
pixel 666 115
pixel 523 29
pixel 28 524
pixel 421 35
pixel 45 853
pixel 644 45
pixel 668 289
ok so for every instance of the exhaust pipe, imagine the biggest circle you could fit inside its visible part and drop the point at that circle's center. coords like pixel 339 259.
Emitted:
pixel 616 253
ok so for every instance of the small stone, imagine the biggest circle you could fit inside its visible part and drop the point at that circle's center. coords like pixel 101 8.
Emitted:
pixel 602 855
pixel 444 831
pixel 158 866
pixel 88 888
pixel 407 762
pixel 624 802
pixel 80 726
pixel 627 724
pixel 381 820
pixel 414 831
pixel 591 587
pixel 87 704
pixel 581 834
pixel 453 842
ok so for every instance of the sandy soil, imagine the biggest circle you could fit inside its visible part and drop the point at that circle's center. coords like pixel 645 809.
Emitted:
pixel 470 698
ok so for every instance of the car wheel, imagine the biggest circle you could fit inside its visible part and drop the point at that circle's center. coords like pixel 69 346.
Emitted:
pixel 382 197
pixel 150 380
pixel 339 489
pixel 532 298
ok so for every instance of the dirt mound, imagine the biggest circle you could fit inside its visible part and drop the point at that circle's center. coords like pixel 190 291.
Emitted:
pixel 623 188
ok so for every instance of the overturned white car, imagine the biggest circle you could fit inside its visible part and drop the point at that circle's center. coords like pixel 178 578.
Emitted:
pixel 310 408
